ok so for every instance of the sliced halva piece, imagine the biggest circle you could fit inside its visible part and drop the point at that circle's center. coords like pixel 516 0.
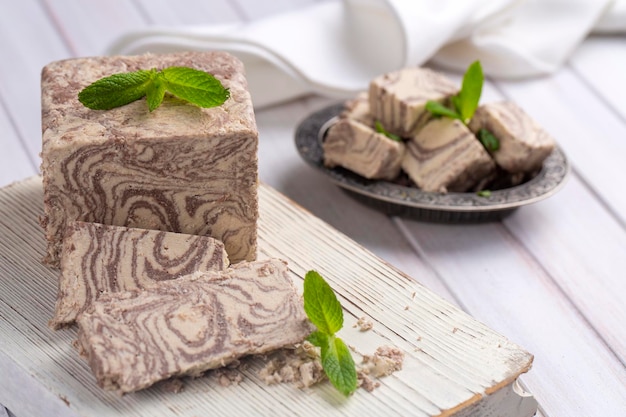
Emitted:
pixel 189 325
pixel 398 99
pixel 97 259
pixel 446 156
pixel 359 148
pixel 523 143
pixel 180 168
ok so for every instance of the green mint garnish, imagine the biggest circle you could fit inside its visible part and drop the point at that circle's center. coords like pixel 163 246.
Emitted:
pixel 438 109
pixel 484 193
pixel 116 90
pixel 195 86
pixel 324 311
pixel 381 129
pixel 464 103
pixel 489 141
pixel 155 92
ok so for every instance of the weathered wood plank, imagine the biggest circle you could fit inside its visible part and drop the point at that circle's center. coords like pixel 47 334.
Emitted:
pixel 589 131
pixel 579 236
pixel 452 361
pixel 15 162
pixel 601 62
pixel 253 10
pixel 24 52
pixel 88 27
pixel 188 12
pixel 580 229
pixel 497 281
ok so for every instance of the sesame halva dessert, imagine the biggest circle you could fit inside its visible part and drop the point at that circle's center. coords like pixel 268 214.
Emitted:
pixel 97 259
pixel 180 168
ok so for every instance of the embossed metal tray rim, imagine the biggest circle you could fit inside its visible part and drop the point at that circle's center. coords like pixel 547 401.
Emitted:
pixel 413 202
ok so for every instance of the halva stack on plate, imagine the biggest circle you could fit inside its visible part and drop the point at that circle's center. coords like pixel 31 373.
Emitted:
pixel 144 211
pixel 438 154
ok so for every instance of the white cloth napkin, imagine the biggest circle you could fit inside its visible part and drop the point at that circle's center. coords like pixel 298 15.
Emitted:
pixel 335 48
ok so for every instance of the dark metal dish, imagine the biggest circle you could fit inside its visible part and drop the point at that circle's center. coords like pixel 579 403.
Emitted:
pixel 400 200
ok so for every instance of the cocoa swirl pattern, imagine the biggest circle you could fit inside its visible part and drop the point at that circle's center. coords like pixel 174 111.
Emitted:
pixel 169 191
pixel 401 200
pixel 181 169
pixel 524 144
pixel 445 156
pixel 99 259
pixel 192 324
pixel 359 148
pixel 398 99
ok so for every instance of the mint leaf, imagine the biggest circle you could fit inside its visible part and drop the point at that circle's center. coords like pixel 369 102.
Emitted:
pixel 318 339
pixel 116 90
pixel 321 305
pixel 467 99
pixel 337 361
pixel 323 309
pixel 484 193
pixel 339 365
pixel 488 139
pixel 378 126
pixel 155 92
pixel 438 109
pixel 197 87
pixel 465 102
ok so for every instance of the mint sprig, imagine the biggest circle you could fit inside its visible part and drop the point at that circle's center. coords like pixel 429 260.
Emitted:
pixel 488 139
pixel 325 312
pixel 378 126
pixel 465 102
pixel 195 86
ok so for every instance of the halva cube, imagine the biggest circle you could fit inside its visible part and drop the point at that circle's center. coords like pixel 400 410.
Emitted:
pixel 446 156
pixel 359 148
pixel 523 143
pixel 398 99
pixel 180 168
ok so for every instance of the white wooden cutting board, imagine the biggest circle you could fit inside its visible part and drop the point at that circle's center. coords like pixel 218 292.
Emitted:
pixel 454 365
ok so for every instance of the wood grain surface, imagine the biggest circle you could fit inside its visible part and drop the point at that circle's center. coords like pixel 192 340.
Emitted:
pixel 454 364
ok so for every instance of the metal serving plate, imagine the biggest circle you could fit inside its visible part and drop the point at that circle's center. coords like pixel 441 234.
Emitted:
pixel 411 202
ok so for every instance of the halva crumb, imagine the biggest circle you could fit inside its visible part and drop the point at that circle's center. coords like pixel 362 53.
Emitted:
pixel 364 324
pixel 302 367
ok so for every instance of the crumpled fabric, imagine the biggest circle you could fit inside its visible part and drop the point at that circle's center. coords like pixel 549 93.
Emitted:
pixel 335 48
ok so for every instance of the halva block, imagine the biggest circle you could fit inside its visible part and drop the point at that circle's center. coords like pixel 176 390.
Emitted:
pixel 180 168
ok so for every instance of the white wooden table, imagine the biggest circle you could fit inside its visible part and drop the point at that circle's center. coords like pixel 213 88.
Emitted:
pixel 551 277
